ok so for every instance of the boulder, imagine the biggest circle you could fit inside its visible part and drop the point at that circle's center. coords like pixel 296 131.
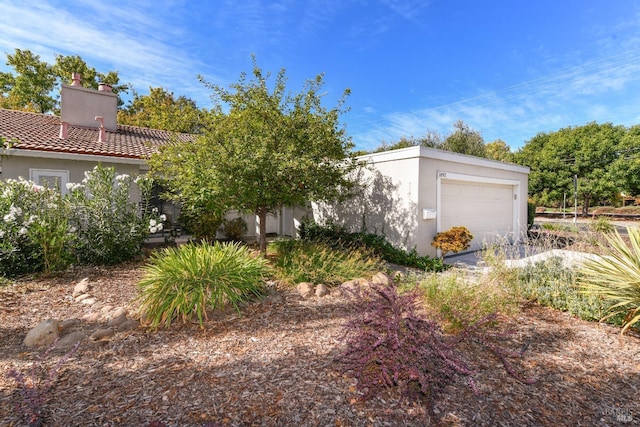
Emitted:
pixel 82 287
pixel 381 279
pixel 89 301
pixel 322 290
pixel 102 334
pixel 65 325
pixel 68 341
pixel 128 325
pixel 305 289
pixel 44 334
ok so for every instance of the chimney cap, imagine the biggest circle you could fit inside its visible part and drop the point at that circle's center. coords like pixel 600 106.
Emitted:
pixel 76 79
pixel 104 87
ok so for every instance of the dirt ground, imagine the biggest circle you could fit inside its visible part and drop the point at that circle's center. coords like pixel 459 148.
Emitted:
pixel 274 365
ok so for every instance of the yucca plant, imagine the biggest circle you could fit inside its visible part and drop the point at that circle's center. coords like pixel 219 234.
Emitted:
pixel 615 276
pixel 186 281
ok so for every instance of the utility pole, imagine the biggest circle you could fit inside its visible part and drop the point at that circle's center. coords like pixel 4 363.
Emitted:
pixel 575 198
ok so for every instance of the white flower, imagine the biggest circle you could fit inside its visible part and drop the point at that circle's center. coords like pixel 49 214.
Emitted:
pixel 22 231
pixel 159 227
pixel 1 234
pixel 9 218
pixel 72 229
pixel 122 178
pixel 163 217
pixel 15 211
pixel 152 223
pixel 153 230
pixel 154 210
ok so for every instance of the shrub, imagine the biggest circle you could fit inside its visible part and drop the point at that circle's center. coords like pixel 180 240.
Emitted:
pixel 35 386
pixel 300 261
pixel 390 344
pixel 531 214
pixel 110 227
pixel 34 232
pixel 186 281
pixel 202 223
pixel 615 276
pixel 455 239
pixel 461 301
pixel 601 225
pixel 340 238
pixel 551 284
pixel 235 228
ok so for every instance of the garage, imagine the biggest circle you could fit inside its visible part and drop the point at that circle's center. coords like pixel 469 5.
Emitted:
pixel 487 207
pixel 409 195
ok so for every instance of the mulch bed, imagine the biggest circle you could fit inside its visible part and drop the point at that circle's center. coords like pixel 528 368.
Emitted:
pixel 273 365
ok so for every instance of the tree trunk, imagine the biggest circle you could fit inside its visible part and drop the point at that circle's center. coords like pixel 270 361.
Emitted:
pixel 262 238
pixel 585 206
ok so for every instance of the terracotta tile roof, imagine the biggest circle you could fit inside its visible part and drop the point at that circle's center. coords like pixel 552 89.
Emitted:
pixel 35 131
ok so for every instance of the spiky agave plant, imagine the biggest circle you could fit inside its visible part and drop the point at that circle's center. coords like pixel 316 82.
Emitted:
pixel 615 276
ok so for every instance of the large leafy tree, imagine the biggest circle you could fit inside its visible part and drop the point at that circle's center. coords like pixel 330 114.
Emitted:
pixel 499 150
pixel 160 109
pixel 586 152
pixel 34 84
pixel 464 140
pixel 262 148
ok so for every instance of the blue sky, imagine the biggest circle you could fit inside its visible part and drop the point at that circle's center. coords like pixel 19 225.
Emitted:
pixel 508 68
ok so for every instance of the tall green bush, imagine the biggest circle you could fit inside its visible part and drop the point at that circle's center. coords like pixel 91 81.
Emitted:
pixel 109 226
pixel 34 234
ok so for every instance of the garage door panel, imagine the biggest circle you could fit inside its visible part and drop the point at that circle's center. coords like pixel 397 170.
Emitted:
pixel 485 209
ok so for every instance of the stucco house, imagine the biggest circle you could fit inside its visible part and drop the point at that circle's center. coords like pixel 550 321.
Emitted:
pixel 55 150
pixel 413 193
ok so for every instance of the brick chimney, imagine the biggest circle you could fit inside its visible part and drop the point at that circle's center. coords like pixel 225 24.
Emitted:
pixel 79 106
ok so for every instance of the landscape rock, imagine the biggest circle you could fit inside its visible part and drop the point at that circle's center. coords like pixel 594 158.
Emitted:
pixel 115 322
pixel 381 279
pixel 68 341
pixel 89 301
pixel 102 334
pixel 82 297
pixel 322 290
pixel 128 325
pixel 91 317
pixel 351 286
pixel 305 289
pixel 106 309
pixel 43 334
pixel 81 288
pixel 65 325
pixel 119 311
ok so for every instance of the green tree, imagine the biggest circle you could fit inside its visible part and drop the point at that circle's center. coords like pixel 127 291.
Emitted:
pixel 262 149
pixel 31 86
pixel 586 152
pixel 464 140
pixel 626 168
pixel 499 150
pixel 160 109
pixel 34 84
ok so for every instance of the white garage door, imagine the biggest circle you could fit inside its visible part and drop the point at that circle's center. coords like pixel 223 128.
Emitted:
pixel 485 209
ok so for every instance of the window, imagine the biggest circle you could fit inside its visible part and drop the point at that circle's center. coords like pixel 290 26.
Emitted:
pixel 50 178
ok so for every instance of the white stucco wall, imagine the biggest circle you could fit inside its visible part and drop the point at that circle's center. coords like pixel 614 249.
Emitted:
pixel 400 184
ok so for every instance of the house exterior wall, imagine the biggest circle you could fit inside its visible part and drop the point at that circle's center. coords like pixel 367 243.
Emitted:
pixel 401 184
pixel 21 165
